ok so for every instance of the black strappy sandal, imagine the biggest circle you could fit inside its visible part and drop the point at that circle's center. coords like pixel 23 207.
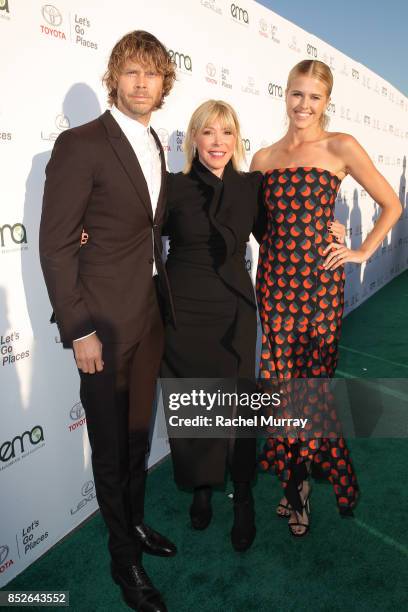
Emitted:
pixel 287 509
pixel 306 508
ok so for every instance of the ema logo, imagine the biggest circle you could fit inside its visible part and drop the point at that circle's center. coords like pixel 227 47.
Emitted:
pixel 9 234
pixel 183 62
pixel 18 445
pixel 239 14
pixel 5 561
pixel 247 144
pixel 53 18
pixel 276 91
pixel 311 50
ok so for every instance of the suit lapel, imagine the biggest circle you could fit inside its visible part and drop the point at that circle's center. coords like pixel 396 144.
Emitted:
pixel 128 159
pixel 161 201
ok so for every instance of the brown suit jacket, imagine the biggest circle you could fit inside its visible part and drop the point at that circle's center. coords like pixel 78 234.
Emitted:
pixel 94 180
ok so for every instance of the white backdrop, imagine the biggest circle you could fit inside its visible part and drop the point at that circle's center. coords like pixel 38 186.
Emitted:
pixel 53 60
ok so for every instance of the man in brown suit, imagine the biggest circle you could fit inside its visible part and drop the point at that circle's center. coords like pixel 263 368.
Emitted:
pixel 108 176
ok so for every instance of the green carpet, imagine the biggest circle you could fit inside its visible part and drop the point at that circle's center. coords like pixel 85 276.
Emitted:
pixel 343 564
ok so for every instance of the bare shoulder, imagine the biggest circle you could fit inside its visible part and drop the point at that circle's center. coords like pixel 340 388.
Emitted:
pixel 354 157
pixel 260 155
pixel 260 160
pixel 340 143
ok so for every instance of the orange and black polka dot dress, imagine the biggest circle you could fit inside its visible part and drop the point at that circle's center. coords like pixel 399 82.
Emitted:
pixel 301 307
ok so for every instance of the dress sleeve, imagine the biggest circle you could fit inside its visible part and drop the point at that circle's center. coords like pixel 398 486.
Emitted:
pixel 260 220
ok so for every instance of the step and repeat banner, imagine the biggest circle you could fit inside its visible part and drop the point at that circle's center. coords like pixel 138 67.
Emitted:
pixel 53 58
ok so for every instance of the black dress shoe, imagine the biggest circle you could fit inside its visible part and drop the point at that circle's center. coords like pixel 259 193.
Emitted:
pixel 137 588
pixel 153 542
pixel 200 509
pixel 243 530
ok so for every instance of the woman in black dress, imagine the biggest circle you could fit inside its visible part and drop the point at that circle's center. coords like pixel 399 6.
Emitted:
pixel 212 210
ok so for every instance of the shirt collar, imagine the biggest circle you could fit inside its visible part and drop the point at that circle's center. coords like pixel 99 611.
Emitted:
pixel 129 126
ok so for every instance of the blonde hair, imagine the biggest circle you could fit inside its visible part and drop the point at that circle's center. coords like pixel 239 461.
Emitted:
pixel 201 118
pixel 317 70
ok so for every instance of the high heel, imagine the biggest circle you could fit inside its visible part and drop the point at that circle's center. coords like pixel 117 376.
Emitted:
pixel 243 531
pixel 287 509
pixel 200 509
pixel 305 508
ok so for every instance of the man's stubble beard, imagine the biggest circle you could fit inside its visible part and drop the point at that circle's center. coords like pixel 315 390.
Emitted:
pixel 136 109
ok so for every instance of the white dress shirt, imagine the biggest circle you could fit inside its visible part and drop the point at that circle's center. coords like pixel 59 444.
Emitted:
pixel 147 152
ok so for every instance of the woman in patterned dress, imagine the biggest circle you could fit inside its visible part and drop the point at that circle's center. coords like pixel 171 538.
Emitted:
pixel 300 277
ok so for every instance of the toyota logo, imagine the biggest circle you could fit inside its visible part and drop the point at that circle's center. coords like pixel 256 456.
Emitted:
pixel 163 136
pixel 62 122
pixel 4 551
pixel 87 488
pixel 211 70
pixel 77 412
pixel 263 25
pixel 51 15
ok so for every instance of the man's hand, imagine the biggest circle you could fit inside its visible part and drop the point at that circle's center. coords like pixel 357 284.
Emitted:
pixel 88 354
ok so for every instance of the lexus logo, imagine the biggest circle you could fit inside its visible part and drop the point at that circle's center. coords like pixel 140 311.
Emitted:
pixel 51 15
pixel 87 488
pixel 211 70
pixel 62 122
pixel 77 412
pixel 4 551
